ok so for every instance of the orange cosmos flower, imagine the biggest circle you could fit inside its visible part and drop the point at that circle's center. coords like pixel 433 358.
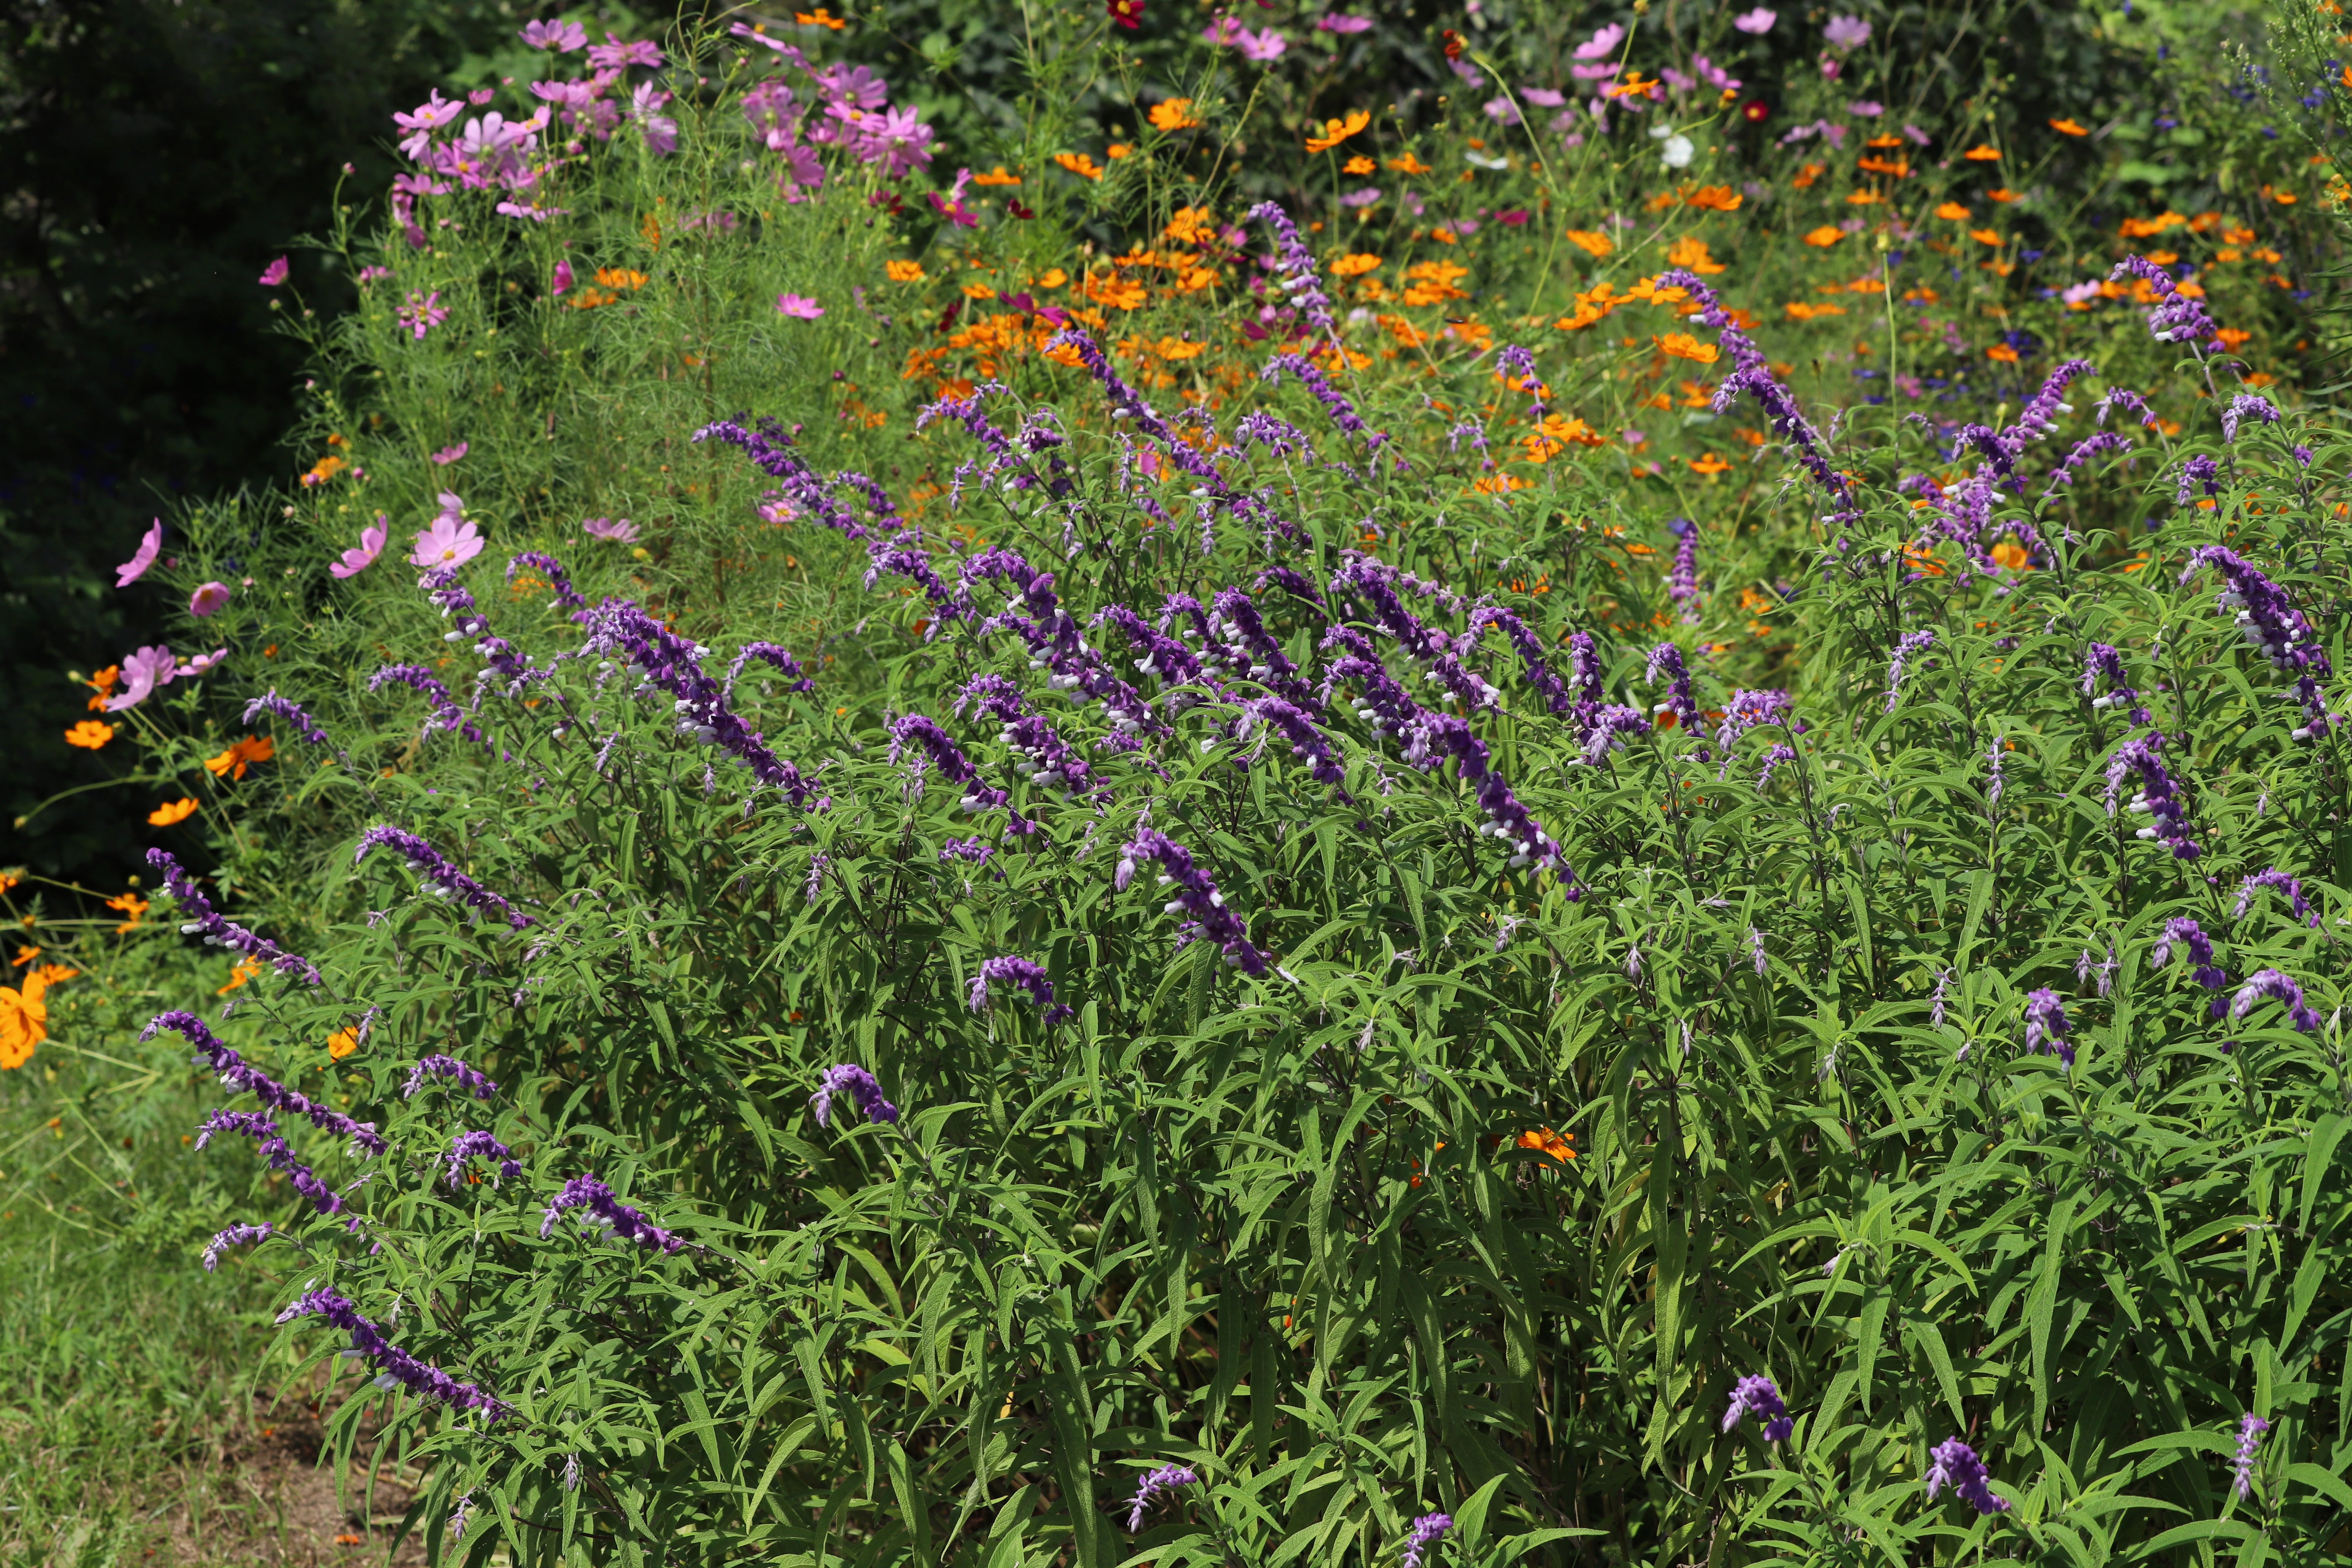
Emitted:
pixel 820 18
pixel 1337 131
pixel 1709 464
pixel 172 811
pixel 89 735
pixel 1545 1141
pixel 997 176
pixel 1985 235
pixel 1592 244
pixel 1408 165
pixel 1681 345
pixel 245 970
pixel 2069 127
pixel 1692 252
pixel 102 682
pixel 132 907
pixel 1981 153
pixel 2002 195
pixel 1825 236
pixel 1715 198
pixel 1078 164
pixel 1173 114
pixel 24 1020
pixel 1358 165
pixel 1953 212
pixel 1354 265
pixel 2002 353
pixel 240 754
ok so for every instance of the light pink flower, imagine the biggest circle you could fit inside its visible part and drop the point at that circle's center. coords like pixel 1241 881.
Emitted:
pixel 356 562
pixel 1756 23
pixel 1603 43
pixel 1340 22
pixel 1846 32
pixel 799 305
pixel 200 665
pixel 1264 47
pixel 149 543
pixel 143 673
pixel 422 313
pixel 621 532
pixel 450 541
pixel 273 274
pixel 448 455
pixel 208 600
pixel 563 281
pixel 556 35
pixel 370 274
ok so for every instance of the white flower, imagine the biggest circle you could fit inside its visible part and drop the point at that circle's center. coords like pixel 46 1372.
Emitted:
pixel 1677 152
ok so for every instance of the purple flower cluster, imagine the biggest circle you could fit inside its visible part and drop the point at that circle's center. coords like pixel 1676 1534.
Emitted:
pixel 1556 695
pixel 2270 621
pixel 217 930
pixel 2186 935
pixel 914 729
pixel 2045 1024
pixel 2251 1428
pixel 501 662
pixel 235 1236
pixel 609 1213
pixel 1906 648
pixel 1021 972
pixel 2279 881
pixel 1667 659
pixel 253 1124
pixel 2176 318
pixel 1334 403
pixel 1752 372
pixel 1607 731
pixel 1747 710
pixel 239 1076
pixel 2247 406
pixel 1294 269
pixel 468 1146
pixel 1442 735
pixel 2168 819
pixel 856 1083
pixel 1158 1484
pixel 288 709
pixel 1759 1397
pixel 446 714
pixel 469 1080
pixel 660 658
pixel 1777 756
pixel 2270 985
pixel 399 1369
pixel 1953 1464
pixel 1682 579
pixel 566 596
pixel 774 654
pixel 1308 742
pixel 848 108
pixel 1427 1532
pixel 441 876
pixel 1192 894
pixel 2100 660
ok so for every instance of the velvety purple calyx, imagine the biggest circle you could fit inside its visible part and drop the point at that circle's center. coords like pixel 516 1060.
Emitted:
pixel 2045 1026
pixel 217 929
pixel 859 1086
pixel 238 1075
pixel 440 877
pixel 1023 974
pixel 1759 1397
pixel 607 1213
pixel 399 1369
pixel 1953 1464
pixel 1192 893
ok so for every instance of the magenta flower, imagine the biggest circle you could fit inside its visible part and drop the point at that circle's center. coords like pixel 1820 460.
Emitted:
pixel 1264 47
pixel 143 672
pixel 1603 43
pixel 449 541
pixel 208 600
pixel 621 532
pixel 613 55
pixel 273 274
pixel 1756 23
pixel 149 544
pixel 422 313
pixel 200 665
pixel 356 562
pixel 562 283
pixel 555 35
pixel 798 306
pixel 1340 22
pixel 448 455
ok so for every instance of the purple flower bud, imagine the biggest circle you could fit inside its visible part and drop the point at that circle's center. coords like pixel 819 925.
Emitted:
pixel 2177 319
pixel 663 659
pixel 2251 1428
pixel 469 1080
pixel 2045 1024
pixel 2274 878
pixel 1667 659
pixel 2182 933
pixel 1192 893
pixel 236 1075
pixel 1555 694
pixel 1427 1532
pixel 1682 579
pixel 1158 1484
pixel 218 931
pixel 1910 643
pixel 2100 660
pixel 419 1377
pixel 235 1236
pixel 2270 985
pixel 858 1084
pixel 1028 976
pixel 468 1146
pixel 610 1212
pixel 1758 1396
pixel 1443 734
pixel 2246 405
pixel 439 874
pixel 286 708
pixel 1955 1464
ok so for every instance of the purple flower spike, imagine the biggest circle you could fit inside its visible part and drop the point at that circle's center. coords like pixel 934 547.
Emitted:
pixel 2270 621
pixel 1608 732
pixel 1682 579
pixel 1020 971
pixel 1427 1532
pixel 1308 743
pixel 2045 1026
pixel 2246 405
pixel 400 1368
pixel 444 879
pixel 2184 934
pixel 1752 372
pixel 2279 881
pixel 1294 270
pixel 1956 1465
pixel 469 1080
pixel 2270 985
pixel 2168 819
pixel 446 714
pixel 775 655
pixel 1442 735
pixel 566 596
pixel 467 1146
pixel 253 1124
pixel 2100 660
pixel 1747 710
pixel 858 1084
pixel 286 708
pixel 217 929
pixel 2251 1428
pixel 466 622
pixel 1779 755
pixel 1308 373
pixel 1758 1396
pixel 1158 1484
pixel 914 729
pixel 1908 644
pixel 608 1214
pixel 660 658
pixel 235 1236
pixel 1667 659
pixel 1192 894
pixel 2177 319
pixel 237 1075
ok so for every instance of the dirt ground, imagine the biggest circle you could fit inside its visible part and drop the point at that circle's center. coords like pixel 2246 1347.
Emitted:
pixel 271 1498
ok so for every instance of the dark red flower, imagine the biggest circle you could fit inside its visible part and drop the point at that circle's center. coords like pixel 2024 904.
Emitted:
pixel 1454 45
pixel 1756 112
pixel 1128 13
pixel 1012 206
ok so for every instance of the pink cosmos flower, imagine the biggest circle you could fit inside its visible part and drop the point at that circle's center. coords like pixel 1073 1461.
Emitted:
pixel 555 35
pixel 621 532
pixel 273 274
pixel 208 600
pixel 423 121
pixel 1223 30
pixel 804 167
pixel 200 665
pixel 1864 109
pixel 143 672
pixel 1603 43
pixel 562 283
pixel 422 313
pixel 533 210
pixel 450 541
pixel 144 557
pixel 1846 32
pixel 1340 22
pixel 1543 97
pixel 1756 23
pixel 356 562
pixel 1264 47
pixel 615 55
pixel 448 455
pixel 800 306
pixel 370 274
pixel 1918 138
